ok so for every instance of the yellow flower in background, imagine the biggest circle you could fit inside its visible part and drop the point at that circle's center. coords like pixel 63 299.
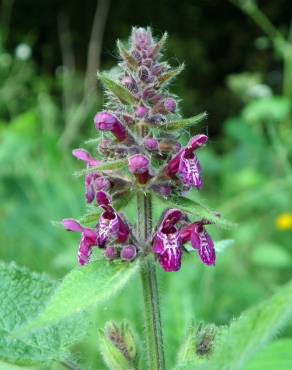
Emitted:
pixel 284 221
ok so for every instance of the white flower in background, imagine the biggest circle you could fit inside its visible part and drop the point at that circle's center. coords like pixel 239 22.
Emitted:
pixel 23 51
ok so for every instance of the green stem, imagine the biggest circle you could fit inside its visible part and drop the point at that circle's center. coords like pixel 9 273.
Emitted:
pixel 150 288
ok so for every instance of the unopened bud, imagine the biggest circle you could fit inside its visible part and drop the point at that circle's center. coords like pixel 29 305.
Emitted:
pixel 118 346
pixel 128 253
pixel 151 144
pixel 111 253
pixel 142 112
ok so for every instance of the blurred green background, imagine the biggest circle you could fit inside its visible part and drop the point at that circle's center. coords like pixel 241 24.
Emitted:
pixel 238 68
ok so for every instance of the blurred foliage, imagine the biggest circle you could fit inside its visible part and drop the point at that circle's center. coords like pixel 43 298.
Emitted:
pixel 239 77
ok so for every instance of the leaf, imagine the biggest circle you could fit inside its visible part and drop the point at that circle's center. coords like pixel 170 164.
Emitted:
pixel 22 295
pixel 187 351
pixel 108 166
pixel 7 366
pixel 198 210
pixel 248 334
pixel 122 93
pixel 159 45
pixel 128 58
pixel 184 123
pixel 82 288
pixel 169 75
pixel 276 356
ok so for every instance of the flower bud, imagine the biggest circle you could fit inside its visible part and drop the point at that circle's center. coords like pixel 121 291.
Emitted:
pixel 130 83
pixel 139 166
pixel 105 121
pixel 118 346
pixel 128 253
pixel 142 112
pixel 151 144
pixel 145 74
pixel 163 190
pixel 169 105
pixel 111 253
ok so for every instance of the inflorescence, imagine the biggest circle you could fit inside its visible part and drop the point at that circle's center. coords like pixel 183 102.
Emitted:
pixel 133 130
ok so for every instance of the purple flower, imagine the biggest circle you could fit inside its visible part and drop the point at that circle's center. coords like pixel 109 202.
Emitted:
pixel 88 240
pixel 94 181
pixel 200 240
pixel 139 165
pixel 167 243
pixel 186 163
pixel 105 121
pixel 110 225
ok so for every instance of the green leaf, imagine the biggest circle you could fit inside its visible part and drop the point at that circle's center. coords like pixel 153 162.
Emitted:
pixel 22 295
pixel 198 210
pixel 128 58
pixel 276 356
pixel 169 75
pixel 184 123
pixel 7 366
pixel 248 334
pixel 82 288
pixel 108 166
pixel 159 45
pixel 118 90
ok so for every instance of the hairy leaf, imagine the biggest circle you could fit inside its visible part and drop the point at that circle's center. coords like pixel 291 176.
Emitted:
pixel 237 344
pixel 276 356
pixel 22 295
pixel 108 166
pixel 198 210
pixel 159 45
pixel 169 75
pixel 183 123
pixel 128 58
pixel 122 93
pixel 82 288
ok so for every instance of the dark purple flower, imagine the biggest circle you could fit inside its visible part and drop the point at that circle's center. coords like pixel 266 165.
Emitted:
pixel 167 243
pixel 139 165
pixel 93 181
pixel 200 240
pixel 110 225
pixel 186 163
pixel 128 253
pixel 105 121
pixel 88 239
pixel 151 144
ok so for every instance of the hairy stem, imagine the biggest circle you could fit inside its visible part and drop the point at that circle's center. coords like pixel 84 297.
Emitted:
pixel 70 365
pixel 150 288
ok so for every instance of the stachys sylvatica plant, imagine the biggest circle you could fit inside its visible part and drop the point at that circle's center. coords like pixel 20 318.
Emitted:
pixel 139 155
pixel 139 185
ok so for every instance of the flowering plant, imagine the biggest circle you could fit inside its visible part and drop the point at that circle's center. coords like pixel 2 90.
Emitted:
pixel 139 156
